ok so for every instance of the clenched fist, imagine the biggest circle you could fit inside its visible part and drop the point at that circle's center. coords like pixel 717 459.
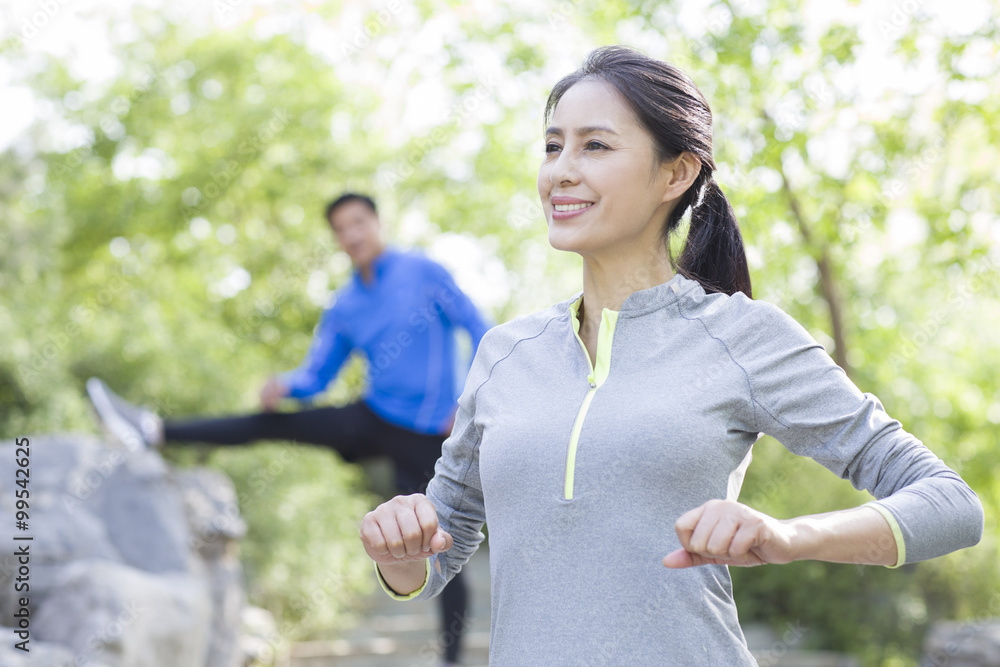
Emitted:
pixel 404 528
pixel 725 532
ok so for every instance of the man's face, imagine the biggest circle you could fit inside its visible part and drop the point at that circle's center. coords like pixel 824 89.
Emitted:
pixel 357 228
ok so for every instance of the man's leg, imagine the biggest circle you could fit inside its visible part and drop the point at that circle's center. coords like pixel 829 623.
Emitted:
pixel 349 429
pixel 454 619
pixel 415 455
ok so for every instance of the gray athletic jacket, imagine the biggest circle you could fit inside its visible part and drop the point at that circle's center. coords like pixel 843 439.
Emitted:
pixel 580 471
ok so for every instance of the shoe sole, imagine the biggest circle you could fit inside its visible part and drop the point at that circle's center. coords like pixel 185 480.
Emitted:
pixel 111 419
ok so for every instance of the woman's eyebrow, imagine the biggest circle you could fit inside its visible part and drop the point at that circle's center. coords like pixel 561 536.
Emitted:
pixel 558 132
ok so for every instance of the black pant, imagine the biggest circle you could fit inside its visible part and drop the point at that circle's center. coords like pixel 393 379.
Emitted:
pixel 355 432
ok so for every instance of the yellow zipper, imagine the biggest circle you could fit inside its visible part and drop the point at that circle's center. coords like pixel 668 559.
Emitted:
pixel 571 454
pixel 595 379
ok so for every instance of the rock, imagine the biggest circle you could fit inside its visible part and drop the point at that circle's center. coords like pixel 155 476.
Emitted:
pixel 132 563
pixel 259 641
pixel 211 509
pixel 974 643
pixel 42 654
pixel 115 615
pixel 144 515
pixel 62 527
pixel 215 524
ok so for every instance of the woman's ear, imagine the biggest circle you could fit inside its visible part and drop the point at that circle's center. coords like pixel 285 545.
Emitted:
pixel 678 175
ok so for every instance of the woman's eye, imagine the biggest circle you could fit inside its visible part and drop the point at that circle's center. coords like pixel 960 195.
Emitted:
pixel 590 145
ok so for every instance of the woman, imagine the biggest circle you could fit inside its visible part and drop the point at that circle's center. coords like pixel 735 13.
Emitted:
pixel 605 438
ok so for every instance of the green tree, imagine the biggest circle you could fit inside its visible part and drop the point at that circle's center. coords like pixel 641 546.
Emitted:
pixel 164 231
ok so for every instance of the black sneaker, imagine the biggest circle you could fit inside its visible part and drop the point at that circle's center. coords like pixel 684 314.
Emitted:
pixel 133 426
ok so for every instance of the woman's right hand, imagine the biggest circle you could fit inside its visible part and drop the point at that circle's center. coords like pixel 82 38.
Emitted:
pixel 404 528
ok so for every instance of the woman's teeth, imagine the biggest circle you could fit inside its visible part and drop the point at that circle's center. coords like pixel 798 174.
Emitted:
pixel 571 207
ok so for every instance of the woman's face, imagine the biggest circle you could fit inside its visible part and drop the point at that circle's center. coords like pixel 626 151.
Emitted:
pixel 598 184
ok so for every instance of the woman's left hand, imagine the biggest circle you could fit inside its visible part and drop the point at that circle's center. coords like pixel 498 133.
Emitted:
pixel 725 532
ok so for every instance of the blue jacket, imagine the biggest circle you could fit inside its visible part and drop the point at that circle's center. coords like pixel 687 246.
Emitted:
pixel 404 324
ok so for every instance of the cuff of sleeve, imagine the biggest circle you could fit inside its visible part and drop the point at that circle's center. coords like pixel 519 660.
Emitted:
pixel 396 596
pixel 289 380
pixel 897 533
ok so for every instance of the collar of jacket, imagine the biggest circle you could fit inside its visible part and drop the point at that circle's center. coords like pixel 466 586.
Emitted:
pixel 379 265
pixel 652 298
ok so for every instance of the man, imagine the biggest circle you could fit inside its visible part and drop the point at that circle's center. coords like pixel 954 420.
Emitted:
pixel 400 310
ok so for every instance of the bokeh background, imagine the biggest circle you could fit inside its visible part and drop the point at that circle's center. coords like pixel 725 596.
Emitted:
pixel 164 167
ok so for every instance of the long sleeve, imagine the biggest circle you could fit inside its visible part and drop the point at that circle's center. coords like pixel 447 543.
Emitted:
pixel 456 305
pixel 327 353
pixel 801 397
pixel 456 491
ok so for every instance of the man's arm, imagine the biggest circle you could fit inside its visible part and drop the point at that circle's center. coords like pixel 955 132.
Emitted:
pixel 457 307
pixel 329 349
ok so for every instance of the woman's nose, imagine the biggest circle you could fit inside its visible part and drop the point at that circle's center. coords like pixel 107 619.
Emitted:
pixel 564 169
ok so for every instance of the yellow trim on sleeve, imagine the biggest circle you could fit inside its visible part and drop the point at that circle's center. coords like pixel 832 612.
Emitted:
pixel 897 533
pixel 396 596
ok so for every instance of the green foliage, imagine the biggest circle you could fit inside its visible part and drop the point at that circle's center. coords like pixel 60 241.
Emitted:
pixel 172 242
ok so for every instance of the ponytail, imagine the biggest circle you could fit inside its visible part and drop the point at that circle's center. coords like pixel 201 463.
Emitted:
pixel 713 254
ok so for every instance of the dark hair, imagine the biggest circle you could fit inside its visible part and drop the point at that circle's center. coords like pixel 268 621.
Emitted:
pixel 672 109
pixel 348 197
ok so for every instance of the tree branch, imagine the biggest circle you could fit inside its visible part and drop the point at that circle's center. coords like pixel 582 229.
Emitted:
pixel 827 281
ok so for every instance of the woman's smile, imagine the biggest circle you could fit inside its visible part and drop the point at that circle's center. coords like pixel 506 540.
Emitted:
pixel 568 207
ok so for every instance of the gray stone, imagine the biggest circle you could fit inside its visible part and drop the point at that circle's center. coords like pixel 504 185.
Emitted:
pixel 974 643
pixel 144 515
pixel 211 509
pixel 41 654
pixel 113 614
pixel 259 641
pixel 62 529
pixel 132 563
pixel 215 524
